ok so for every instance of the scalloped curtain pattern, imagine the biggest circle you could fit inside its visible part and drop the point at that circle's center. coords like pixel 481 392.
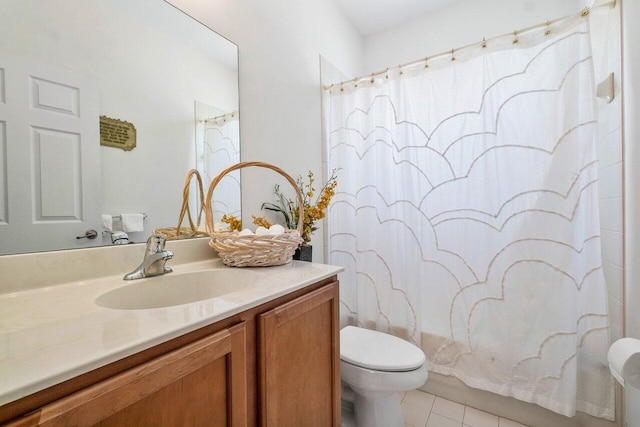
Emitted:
pixel 467 219
pixel 222 150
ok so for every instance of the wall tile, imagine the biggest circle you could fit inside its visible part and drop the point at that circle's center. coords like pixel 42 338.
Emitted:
pixel 612 247
pixel 615 316
pixel 610 149
pixel 615 336
pixel 603 118
pixel 613 275
pixel 615 107
pixel 611 214
pixel 611 181
pixel 614 47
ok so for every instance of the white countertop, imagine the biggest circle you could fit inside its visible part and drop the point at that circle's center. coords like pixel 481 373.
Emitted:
pixel 52 334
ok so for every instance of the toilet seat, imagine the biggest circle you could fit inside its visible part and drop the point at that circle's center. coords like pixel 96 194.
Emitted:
pixel 378 351
pixel 364 379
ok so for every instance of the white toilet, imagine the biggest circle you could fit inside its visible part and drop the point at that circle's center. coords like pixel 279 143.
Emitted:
pixel 375 367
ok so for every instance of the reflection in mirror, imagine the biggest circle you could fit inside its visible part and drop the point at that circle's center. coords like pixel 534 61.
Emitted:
pixel 66 63
pixel 218 147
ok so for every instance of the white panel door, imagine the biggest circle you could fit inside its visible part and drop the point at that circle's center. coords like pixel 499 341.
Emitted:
pixel 49 157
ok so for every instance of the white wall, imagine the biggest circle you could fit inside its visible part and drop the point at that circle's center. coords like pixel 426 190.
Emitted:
pixel 280 42
pixel 458 25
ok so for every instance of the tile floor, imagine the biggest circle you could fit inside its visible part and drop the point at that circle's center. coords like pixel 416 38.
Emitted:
pixel 422 409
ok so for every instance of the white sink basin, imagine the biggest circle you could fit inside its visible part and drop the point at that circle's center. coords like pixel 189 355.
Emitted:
pixel 173 289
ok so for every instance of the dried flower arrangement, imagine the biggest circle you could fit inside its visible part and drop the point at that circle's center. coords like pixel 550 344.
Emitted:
pixel 312 211
pixel 235 224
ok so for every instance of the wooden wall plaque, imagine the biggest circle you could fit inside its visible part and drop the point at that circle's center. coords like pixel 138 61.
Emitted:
pixel 117 133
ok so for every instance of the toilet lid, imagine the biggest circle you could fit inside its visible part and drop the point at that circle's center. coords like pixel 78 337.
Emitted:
pixel 378 351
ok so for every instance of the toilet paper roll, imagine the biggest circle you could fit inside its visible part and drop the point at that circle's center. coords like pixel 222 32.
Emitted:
pixel 107 222
pixel 132 222
pixel 624 361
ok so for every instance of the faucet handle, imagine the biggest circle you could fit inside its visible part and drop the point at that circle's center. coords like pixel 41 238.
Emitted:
pixel 155 243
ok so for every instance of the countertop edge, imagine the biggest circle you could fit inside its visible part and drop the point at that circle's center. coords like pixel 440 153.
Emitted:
pixel 29 388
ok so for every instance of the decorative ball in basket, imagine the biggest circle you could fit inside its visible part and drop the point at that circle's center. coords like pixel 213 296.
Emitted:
pixel 252 250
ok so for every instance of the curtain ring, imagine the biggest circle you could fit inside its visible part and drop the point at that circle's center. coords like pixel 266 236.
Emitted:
pixel 386 74
pixel 515 37
pixel 372 79
pixel 342 87
pixel 426 62
pixel 484 42
pixel 400 68
pixel 355 82
pixel 548 31
pixel 453 58
pixel 585 11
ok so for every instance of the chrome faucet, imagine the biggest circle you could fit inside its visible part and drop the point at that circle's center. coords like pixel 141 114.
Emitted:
pixel 154 259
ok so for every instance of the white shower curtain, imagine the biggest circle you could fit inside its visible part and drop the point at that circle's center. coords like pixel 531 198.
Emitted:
pixel 467 217
pixel 221 150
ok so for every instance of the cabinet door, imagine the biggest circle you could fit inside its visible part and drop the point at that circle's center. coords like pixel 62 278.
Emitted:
pixel 200 384
pixel 299 361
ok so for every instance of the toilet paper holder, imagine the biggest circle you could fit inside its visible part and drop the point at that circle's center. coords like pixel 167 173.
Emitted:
pixel 624 361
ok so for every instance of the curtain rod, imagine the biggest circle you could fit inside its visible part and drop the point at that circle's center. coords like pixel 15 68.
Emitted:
pixel 584 12
pixel 232 114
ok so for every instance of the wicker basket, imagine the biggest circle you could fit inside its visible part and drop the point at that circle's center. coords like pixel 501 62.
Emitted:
pixel 254 250
pixel 180 232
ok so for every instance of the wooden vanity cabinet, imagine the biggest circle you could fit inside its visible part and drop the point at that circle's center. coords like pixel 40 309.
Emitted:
pixel 299 362
pixel 200 384
pixel 273 365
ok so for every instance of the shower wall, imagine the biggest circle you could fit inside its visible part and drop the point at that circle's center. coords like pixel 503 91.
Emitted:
pixel 631 154
pixel 607 58
pixel 605 28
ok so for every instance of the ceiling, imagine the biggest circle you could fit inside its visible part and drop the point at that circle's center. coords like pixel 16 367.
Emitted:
pixel 371 16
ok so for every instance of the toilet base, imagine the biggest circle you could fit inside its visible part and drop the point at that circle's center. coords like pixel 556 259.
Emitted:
pixel 346 415
pixel 375 393
pixel 377 409
pixel 374 408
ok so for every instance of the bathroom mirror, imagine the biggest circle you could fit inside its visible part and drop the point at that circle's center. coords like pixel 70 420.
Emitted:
pixel 147 69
